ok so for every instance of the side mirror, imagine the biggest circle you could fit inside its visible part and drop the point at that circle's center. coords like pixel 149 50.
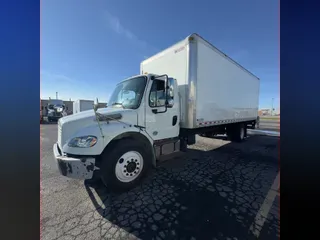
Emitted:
pixel 169 103
pixel 95 107
pixel 169 96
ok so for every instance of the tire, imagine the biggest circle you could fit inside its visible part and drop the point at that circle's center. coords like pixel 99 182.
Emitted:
pixel 121 166
pixel 208 134
pixel 237 132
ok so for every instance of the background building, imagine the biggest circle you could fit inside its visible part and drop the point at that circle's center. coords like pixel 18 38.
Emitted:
pixel 68 104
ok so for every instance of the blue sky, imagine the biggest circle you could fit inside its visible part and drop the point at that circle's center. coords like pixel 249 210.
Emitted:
pixel 87 46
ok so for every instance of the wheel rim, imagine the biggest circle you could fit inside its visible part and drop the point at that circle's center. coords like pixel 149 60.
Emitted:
pixel 242 132
pixel 129 166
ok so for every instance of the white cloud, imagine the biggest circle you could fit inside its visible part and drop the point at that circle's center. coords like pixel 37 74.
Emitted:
pixel 53 77
pixel 115 24
pixel 68 88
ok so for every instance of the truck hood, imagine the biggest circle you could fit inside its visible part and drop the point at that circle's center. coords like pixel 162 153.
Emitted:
pixel 127 115
pixel 69 126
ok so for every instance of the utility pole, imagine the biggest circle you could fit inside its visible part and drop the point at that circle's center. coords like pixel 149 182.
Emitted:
pixel 272 107
pixel 56 95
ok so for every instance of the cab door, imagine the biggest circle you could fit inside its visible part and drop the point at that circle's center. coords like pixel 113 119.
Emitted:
pixel 162 109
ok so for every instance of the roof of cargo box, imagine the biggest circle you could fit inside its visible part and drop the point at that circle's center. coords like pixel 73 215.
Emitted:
pixel 198 37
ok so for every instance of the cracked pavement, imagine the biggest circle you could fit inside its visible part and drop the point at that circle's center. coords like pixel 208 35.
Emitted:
pixel 214 191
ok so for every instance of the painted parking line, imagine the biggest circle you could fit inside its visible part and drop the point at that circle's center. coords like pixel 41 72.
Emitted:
pixel 265 208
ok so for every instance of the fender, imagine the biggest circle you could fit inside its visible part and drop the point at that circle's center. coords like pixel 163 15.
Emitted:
pixel 112 131
pixel 138 136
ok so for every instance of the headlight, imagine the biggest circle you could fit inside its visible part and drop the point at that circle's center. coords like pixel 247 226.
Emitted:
pixel 83 142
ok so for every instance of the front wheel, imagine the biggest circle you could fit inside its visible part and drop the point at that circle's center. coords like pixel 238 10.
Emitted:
pixel 123 167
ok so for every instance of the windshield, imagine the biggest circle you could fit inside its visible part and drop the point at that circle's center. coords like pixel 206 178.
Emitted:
pixel 58 105
pixel 128 94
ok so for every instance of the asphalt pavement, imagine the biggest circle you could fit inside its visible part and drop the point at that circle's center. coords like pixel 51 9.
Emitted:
pixel 217 190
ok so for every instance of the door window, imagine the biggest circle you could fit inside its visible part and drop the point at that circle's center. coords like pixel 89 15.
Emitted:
pixel 157 96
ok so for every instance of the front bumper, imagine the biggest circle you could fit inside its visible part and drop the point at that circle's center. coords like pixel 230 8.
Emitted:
pixel 78 168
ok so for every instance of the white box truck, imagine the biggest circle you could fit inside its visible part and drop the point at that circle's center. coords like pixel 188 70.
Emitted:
pixel 82 105
pixel 190 88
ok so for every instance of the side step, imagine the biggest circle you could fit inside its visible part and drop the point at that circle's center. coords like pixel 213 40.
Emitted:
pixel 166 147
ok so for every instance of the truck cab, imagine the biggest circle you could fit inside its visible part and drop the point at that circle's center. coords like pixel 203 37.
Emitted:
pixel 122 141
pixel 153 100
pixel 55 110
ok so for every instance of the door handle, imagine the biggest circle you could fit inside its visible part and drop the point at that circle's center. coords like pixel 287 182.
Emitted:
pixel 174 120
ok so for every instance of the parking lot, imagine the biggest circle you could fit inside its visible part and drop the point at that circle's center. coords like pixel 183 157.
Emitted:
pixel 217 190
pixel 270 123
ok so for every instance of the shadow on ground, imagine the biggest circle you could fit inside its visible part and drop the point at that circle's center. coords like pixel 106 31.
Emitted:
pixel 213 193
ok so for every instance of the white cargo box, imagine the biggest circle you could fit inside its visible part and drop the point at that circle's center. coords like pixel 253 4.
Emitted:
pixel 82 105
pixel 213 88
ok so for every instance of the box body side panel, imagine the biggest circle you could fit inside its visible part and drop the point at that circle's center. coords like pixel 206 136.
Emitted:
pixel 225 92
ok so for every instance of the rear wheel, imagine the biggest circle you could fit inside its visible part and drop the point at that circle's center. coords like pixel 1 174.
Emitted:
pixel 123 167
pixel 209 134
pixel 237 132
